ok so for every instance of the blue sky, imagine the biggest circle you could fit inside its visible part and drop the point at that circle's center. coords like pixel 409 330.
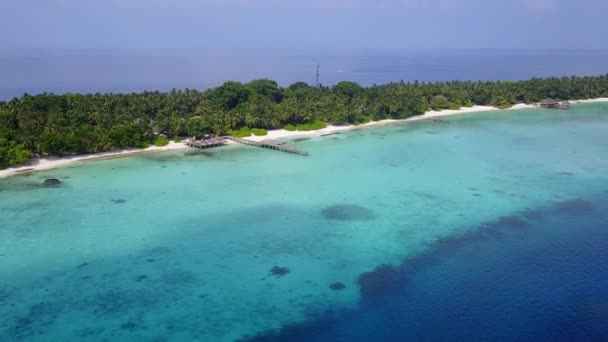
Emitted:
pixel 305 23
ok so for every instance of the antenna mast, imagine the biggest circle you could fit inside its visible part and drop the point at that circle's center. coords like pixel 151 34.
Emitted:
pixel 317 77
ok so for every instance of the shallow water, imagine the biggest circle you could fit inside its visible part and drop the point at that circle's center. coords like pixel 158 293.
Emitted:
pixel 490 225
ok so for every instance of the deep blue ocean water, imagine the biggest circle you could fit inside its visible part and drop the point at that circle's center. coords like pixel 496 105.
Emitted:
pixel 487 226
pixel 89 71
pixel 536 275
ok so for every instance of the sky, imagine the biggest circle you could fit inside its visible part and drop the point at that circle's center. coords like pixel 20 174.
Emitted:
pixel 360 24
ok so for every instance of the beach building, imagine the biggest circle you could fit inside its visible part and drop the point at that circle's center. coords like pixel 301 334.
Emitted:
pixel 549 103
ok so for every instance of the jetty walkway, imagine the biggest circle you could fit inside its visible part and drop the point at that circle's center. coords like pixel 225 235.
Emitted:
pixel 268 144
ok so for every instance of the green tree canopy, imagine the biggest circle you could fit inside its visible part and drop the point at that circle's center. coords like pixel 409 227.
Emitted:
pixel 81 123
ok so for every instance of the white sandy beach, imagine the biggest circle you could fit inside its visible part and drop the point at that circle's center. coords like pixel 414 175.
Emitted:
pixel 52 163
pixel 599 99
pixel 331 129
pixel 55 162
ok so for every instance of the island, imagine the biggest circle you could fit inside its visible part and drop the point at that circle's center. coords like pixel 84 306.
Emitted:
pixel 67 125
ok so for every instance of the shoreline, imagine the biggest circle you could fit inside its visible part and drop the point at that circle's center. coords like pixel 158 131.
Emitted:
pixel 43 164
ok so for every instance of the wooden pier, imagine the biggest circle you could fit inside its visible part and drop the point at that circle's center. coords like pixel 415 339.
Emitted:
pixel 268 143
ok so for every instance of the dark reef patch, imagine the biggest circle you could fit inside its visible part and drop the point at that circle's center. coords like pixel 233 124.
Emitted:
pixel 129 326
pixel 22 328
pixel 113 302
pixel 178 277
pixel 347 212
pixel 337 286
pixel 119 200
pixel 37 318
pixel 508 222
pixel 574 207
pixel 304 331
pixel 116 301
pixel 51 182
pixel 381 280
pixel 141 278
pixel 3 296
pixel 279 271
pixel 489 230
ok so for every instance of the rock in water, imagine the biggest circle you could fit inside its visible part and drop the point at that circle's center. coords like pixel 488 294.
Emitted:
pixel 337 286
pixel 347 212
pixel 278 271
pixel 51 182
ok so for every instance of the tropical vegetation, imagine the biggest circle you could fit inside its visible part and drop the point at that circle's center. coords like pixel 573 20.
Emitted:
pixel 50 124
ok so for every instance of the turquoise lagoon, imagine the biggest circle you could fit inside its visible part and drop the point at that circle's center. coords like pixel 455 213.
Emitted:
pixel 180 245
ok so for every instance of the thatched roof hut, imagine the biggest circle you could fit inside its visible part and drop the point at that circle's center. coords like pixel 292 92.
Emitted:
pixel 549 103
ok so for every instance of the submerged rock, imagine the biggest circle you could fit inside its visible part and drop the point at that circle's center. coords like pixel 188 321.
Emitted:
pixel 279 271
pixel 51 182
pixel 130 325
pixel 337 286
pixel 347 212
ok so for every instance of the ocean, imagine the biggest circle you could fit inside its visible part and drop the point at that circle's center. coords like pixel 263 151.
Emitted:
pixel 61 70
pixel 486 226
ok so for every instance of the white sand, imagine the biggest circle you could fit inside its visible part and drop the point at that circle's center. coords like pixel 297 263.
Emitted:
pixel 599 99
pixel 55 162
pixel 330 129
pixel 522 106
pixel 51 163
